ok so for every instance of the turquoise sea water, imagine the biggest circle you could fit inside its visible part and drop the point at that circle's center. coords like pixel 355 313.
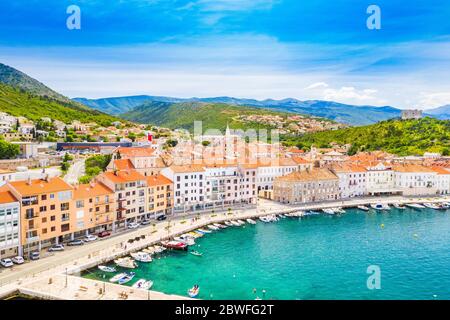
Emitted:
pixel 317 257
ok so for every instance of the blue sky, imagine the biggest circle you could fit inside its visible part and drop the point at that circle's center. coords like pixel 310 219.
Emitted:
pixel 316 49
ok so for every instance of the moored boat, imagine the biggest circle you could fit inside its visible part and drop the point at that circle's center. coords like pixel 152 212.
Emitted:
pixel 196 253
pixel 117 277
pixel 143 284
pixel 141 256
pixel 201 230
pixel 107 269
pixel 399 206
pixel 329 211
pixel 221 226
pixel 126 262
pixel 415 205
pixel 432 206
pixel 194 291
pixel 377 206
pixel 241 222
pixel 186 239
pixel 251 221
pixel 127 278
pixel 228 223
pixel 176 245
pixel 363 208
pixel 213 227
pixel 235 223
pixel 339 210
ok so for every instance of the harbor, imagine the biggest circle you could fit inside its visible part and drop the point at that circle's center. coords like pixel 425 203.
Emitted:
pixel 104 251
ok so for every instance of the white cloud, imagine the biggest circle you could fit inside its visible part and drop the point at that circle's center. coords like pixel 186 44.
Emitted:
pixel 317 85
pixel 352 95
pixel 434 99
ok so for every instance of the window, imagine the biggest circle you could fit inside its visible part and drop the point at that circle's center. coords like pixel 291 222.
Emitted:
pixel 80 204
pixel 52 218
pixel 64 206
pixel 65 227
pixel 29 213
pixel 44 197
pixel 43 209
pixel 52 207
pixel 52 229
pixel 64 195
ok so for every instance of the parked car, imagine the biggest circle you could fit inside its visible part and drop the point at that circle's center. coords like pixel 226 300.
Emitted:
pixel 161 218
pixel 104 234
pixel 56 247
pixel 145 222
pixel 90 238
pixel 133 225
pixel 35 255
pixel 77 242
pixel 7 263
pixel 18 260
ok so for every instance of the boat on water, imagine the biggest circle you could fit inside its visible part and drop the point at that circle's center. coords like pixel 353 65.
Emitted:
pixel 329 211
pixel 363 208
pixel 186 239
pixel 312 213
pixel 415 205
pixel 432 206
pixel 117 277
pixel 195 234
pixel 339 210
pixel 194 291
pixel 235 223
pixel 107 269
pixel 221 226
pixel 196 253
pixel 126 262
pixel 143 284
pixel 399 206
pixel 251 221
pixel 127 278
pixel 241 222
pixel 200 234
pixel 228 223
pixel 446 205
pixel 158 249
pixel 175 245
pixel 204 230
pixel 141 256
pixel 213 227
pixel 378 206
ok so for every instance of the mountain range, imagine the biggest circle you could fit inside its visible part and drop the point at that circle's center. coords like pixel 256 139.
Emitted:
pixel 339 112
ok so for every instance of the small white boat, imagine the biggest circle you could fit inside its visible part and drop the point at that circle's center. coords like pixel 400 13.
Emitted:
pixel 195 234
pixel 363 208
pixel 126 262
pixel 251 221
pixel 399 206
pixel 377 206
pixel 194 291
pixel 221 226
pixel 415 205
pixel 117 277
pixel 141 256
pixel 196 253
pixel 213 227
pixel 432 206
pixel 186 239
pixel 127 278
pixel 446 205
pixel 339 210
pixel 241 222
pixel 158 249
pixel 235 223
pixel 143 284
pixel 107 269
pixel 228 223
pixel 203 231
pixel 264 219
pixel 329 211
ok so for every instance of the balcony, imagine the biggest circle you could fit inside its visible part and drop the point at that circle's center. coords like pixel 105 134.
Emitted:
pixel 32 227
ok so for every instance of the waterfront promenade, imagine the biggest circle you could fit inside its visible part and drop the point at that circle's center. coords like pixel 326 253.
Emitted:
pixel 47 277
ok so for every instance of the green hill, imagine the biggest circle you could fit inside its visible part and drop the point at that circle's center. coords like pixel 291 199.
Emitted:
pixel 19 102
pixel 411 137
pixel 183 115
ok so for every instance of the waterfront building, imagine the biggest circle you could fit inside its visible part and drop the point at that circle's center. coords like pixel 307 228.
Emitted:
pixel 10 242
pixel 352 180
pixel 415 180
pixel 141 159
pixel 315 185
pixel 442 180
pixel 159 196
pixel 271 168
pixel 189 183
pixel 47 211
pixel 129 188
pixel 380 180
pixel 95 208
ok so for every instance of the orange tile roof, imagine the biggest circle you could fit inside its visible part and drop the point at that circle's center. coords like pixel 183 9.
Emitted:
pixel 123 164
pixel 6 196
pixel 131 152
pixel 123 176
pixel 158 180
pixel 300 160
pixel 440 170
pixel 308 175
pixel 411 168
pixel 91 190
pixel 187 168
pixel 40 186
pixel 348 167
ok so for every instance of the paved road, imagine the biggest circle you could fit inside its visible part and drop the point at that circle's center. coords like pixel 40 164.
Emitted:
pixel 75 171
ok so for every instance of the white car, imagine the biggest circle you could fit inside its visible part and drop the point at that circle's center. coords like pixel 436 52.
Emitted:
pixel 18 260
pixel 90 238
pixel 133 225
pixel 56 247
pixel 7 263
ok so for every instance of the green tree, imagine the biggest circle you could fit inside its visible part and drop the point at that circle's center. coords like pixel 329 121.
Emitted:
pixel 8 150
